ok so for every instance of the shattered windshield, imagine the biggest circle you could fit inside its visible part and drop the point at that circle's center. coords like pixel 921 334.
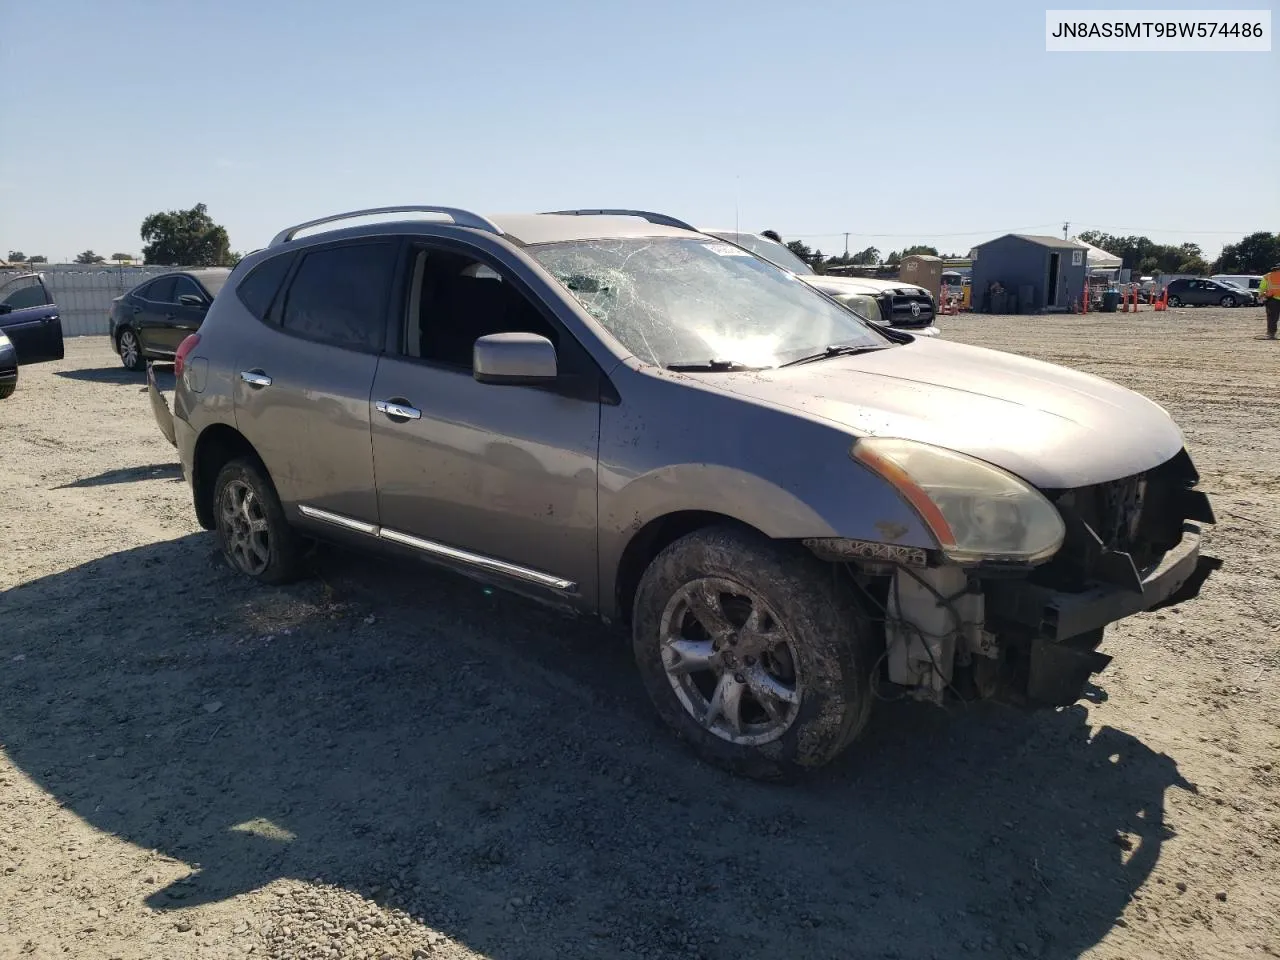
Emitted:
pixel 682 300
pixel 771 251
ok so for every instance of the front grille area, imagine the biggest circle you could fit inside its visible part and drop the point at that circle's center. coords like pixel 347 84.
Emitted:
pixel 1140 515
pixel 895 306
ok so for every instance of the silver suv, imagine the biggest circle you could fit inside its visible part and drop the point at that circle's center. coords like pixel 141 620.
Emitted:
pixel 789 505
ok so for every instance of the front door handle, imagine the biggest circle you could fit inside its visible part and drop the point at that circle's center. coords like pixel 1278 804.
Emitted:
pixel 255 378
pixel 398 410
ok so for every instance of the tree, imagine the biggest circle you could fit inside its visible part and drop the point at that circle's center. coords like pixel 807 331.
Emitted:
pixel 88 257
pixel 38 258
pixel 867 257
pixel 920 248
pixel 17 256
pixel 1256 253
pixel 185 238
pixel 121 257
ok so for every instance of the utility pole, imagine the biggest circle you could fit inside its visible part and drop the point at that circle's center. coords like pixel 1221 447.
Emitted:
pixel 1065 228
pixel 846 246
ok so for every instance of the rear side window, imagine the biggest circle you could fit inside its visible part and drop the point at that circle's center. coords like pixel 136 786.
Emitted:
pixel 258 290
pixel 160 291
pixel 185 285
pixel 339 295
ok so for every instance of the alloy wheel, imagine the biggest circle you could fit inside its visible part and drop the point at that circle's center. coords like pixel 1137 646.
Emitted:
pixel 731 661
pixel 129 349
pixel 244 528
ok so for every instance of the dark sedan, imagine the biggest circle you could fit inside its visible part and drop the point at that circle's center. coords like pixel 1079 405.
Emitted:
pixel 1202 292
pixel 149 321
pixel 30 328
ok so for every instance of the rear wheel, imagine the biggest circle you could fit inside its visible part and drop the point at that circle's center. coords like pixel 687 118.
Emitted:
pixel 130 350
pixel 752 653
pixel 1175 301
pixel 1228 301
pixel 253 534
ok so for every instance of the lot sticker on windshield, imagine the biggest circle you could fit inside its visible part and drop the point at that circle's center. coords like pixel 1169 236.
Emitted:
pixel 726 250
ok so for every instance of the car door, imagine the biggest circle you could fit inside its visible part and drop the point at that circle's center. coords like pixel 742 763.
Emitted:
pixel 151 310
pixel 301 377
pixel 189 308
pixel 30 319
pixel 495 480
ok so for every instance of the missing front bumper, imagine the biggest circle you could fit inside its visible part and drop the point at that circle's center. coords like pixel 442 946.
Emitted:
pixel 1056 615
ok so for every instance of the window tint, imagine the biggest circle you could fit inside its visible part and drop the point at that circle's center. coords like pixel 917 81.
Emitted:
pixel 454 300
pixel 259 288
pixel 160 291
pixel 186 285
pixel 339 295
pixel 30 294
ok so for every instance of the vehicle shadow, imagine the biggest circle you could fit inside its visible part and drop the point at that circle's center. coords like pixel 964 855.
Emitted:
pixel 493 769
pixel 119 375
pixel 154 471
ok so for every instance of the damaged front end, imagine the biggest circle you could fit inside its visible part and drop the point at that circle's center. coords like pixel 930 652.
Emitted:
pixel 1028 634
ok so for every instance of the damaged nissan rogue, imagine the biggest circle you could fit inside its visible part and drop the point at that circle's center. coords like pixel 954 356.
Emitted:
pixel 790 506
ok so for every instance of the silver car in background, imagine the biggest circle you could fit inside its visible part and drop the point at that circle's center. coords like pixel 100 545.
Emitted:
pixel 788 505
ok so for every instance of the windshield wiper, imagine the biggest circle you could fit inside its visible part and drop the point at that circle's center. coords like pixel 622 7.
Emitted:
pixel 834 350
pixel 710 366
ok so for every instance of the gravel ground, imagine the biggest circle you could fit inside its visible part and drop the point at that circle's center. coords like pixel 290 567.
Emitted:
pixel 397 763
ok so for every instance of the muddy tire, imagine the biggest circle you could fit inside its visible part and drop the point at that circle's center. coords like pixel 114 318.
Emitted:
pixel 130 350
pixel 253 534
pixel 752 652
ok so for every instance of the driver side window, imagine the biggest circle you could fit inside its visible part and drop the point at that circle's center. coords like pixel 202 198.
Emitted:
pixel 26 292
pixel 454 300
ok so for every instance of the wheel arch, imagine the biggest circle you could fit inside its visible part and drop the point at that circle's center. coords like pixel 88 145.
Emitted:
pixel 654 537
pixel 218 444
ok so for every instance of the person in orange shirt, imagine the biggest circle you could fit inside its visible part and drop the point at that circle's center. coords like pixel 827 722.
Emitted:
pixel 1269 291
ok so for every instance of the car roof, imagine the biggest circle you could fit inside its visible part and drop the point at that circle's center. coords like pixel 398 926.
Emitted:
pixel 533 228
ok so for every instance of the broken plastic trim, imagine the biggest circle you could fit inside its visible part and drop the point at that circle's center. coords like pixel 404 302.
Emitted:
pixel 839 549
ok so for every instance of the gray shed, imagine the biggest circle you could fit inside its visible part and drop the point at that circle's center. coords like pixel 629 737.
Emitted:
pixel 1044 274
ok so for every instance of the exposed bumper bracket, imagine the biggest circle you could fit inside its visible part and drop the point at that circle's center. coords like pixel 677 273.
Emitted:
pixel 1057 615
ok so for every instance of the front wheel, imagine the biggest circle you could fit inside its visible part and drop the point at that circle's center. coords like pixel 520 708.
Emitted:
pixel 130 350
pixel 1228 301
pixel 253 534
pixel 752 652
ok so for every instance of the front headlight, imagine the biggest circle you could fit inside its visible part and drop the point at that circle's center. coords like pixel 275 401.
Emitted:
pixel 976 510
pixel 862 304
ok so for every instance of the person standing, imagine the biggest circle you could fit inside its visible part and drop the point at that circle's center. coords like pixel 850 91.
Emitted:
pixel 1269 291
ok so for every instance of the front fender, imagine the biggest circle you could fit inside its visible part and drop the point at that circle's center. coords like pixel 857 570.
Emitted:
pixel 787 476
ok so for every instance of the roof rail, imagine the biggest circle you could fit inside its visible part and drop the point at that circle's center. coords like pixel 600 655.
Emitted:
pixel 462 218
pixel 659 218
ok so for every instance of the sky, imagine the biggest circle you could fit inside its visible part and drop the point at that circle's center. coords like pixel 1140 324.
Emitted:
pixel 898 123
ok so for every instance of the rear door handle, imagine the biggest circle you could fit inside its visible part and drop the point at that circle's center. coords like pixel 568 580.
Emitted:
pixel 255 378
pixel 397 410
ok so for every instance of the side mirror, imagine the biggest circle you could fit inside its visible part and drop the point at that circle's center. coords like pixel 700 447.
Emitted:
pixel 513 358
pixel 191 300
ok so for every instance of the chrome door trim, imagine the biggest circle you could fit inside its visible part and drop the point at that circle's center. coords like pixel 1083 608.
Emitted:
pixel 479 561
pixel 337 519
pixel 443 551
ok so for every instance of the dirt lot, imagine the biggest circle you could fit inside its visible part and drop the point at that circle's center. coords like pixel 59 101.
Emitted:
pixel 395 763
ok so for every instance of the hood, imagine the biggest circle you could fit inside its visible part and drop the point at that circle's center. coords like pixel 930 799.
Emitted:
pixel 1054 427
pixel 858 284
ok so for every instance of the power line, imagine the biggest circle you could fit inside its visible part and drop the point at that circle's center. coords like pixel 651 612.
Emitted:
pixel 1000 231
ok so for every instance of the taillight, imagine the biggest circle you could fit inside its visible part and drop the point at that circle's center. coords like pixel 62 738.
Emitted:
pixel 184 348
